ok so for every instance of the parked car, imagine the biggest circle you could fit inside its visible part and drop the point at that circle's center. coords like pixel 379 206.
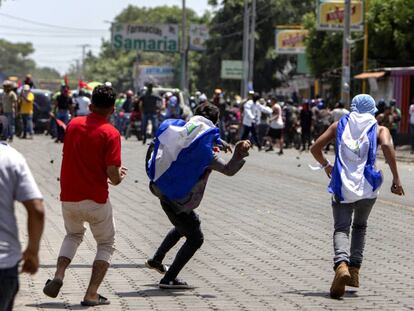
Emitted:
pixel 41 110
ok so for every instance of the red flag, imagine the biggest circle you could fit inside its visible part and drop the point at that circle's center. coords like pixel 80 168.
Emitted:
pixel 66 81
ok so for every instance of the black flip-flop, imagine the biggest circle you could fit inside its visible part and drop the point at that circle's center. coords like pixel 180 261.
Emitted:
pixel 91 303
pixel 52 287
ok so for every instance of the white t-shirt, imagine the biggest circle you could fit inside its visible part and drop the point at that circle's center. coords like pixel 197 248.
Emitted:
pixel 16 184
pixel 338 113
pixel 277 123
pixel 83 104
pixel 412 114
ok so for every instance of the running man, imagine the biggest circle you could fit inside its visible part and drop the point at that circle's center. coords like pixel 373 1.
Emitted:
pixel 91 159
pixel 178 208
pixel 355 183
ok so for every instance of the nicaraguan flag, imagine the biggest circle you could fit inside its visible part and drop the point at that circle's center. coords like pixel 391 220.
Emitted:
pixel 182 152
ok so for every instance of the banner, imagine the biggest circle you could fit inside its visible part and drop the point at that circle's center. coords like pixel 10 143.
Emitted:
pixel 290 41
pixel 331 15
pixel 198 37
pixel 151 38
pixel 158 75
pixel 232 69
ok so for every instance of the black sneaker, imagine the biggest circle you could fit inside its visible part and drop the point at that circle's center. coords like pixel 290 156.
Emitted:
pixel 157 266
pixel 176 284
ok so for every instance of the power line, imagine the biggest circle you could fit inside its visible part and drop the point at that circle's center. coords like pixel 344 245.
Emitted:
pixel 48 25
pixel 17 34
pixel 40 30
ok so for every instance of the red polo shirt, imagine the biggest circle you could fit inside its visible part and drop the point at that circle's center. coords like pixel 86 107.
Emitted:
pixel 91 145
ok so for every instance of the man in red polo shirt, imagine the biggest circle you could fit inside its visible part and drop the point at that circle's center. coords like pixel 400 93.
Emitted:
pixel 91 157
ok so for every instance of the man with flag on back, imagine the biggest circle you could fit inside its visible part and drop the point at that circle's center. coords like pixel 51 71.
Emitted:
pixel 179 164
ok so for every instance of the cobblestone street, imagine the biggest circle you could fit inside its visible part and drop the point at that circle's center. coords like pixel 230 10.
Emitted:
pixel 268 241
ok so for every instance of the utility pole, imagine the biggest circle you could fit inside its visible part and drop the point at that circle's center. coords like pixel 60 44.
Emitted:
pixel 346 56
pixel 246 26
pixel 365 61
pixel 251 47
pixel 184 49
pixel 83 46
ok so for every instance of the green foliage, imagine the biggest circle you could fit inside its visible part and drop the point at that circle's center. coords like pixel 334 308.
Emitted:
pixel 390 33
pixel 45 73
pixel 226 31
pixel 14 58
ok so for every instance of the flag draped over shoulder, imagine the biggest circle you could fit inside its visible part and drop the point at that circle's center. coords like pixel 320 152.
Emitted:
pixel 182 152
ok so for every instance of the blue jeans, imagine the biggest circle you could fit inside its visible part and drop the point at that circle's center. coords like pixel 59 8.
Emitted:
pixel 9 286
pixel 11 122
pixel 342 214
pixel 62 115
pixel 27 124
pixel 154 122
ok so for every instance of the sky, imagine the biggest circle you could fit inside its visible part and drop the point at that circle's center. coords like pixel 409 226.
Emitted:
pixel 58 46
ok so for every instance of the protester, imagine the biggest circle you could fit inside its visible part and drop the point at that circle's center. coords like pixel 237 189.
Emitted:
pixel 149 106
pixel 412 125
pixel 17 184
pixel 355 183
pixel 26 101
pixel 306 122
pixel 396 116
pixel 29 81
pixel 276 127
pixel 179 199
pixel 82 103
pixel 9 108
pixel 339 111
pixel 92 146
pixel 251 116
pixel 63 108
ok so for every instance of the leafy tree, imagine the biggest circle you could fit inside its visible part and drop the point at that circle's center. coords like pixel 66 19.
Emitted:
pixel 14 58
pixel 391 42
pixel 227 39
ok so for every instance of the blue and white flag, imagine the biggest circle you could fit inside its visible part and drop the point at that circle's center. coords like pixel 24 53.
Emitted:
pixel 182 152
pixel 354 176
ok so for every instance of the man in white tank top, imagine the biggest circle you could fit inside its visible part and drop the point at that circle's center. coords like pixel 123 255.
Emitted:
pixel 355 183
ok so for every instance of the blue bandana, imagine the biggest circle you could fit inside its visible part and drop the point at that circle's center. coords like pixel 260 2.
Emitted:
pixel 363 103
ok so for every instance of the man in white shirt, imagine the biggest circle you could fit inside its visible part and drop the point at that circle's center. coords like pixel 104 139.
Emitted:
pixel 251 116
pixel 82 103
pixel 17 184
pixel 339 111
pixel 412 125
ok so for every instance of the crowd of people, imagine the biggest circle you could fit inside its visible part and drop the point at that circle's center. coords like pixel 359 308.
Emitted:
pixel 179 161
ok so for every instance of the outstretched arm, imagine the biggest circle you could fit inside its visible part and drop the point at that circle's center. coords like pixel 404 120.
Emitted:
pixel 320 143
pixel 387 146
pixel 241 150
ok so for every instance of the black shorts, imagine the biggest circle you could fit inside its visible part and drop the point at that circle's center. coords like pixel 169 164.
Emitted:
pixel 275 133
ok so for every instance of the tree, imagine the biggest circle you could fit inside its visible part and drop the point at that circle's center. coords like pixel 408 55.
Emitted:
pixel 391 42
pixel 14 58
pixel 226 31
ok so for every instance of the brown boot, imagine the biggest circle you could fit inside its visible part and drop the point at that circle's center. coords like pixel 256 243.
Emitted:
pixel 342 277
pixel 354 281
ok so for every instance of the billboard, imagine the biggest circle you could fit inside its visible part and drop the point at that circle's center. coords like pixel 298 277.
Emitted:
pixel 158 75
pixel 232 69
pixel 150 38
pixel 198 37
pixel 290 41
pixel 330 15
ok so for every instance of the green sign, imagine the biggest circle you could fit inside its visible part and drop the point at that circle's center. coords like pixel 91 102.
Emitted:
pixel 152 38
pixel 232 69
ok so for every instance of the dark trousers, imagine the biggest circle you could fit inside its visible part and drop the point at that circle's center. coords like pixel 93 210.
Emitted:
pixel 306 139
pixel 187 225
pixel 412 136
pixel 246 132
pixel 9 286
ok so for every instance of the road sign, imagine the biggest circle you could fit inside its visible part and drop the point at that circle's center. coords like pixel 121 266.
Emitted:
pixel 151 38
pixel 330 14
pixel 290 41
pixel 232 69
pixel 198 37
